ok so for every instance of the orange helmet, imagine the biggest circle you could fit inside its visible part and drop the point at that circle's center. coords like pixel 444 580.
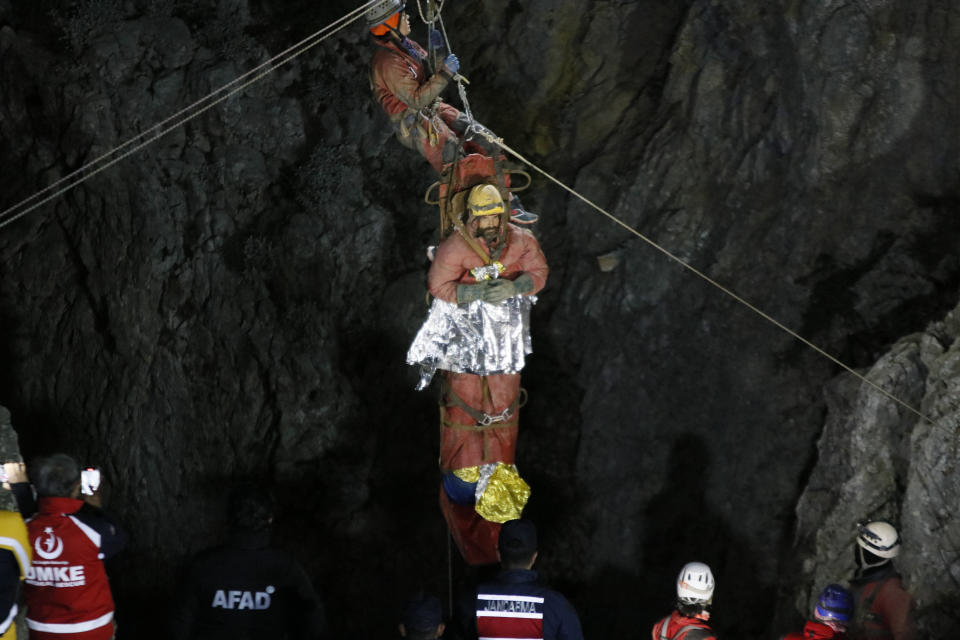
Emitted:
pixel 384 16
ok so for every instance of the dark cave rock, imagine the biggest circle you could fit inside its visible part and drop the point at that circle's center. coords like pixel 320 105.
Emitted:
pixel 235 300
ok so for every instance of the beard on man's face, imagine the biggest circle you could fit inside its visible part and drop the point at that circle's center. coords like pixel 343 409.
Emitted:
pixel 490 234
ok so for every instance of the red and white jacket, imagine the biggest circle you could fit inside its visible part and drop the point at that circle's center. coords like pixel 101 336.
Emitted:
pixel 677 626
pixel 67 592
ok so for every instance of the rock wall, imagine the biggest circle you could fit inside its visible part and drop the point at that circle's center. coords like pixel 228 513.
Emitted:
pixel 235 301
pixel 879 459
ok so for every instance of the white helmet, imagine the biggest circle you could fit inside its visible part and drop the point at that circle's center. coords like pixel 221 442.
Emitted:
pixel 879 538
pixel 695 584
pixel 382 10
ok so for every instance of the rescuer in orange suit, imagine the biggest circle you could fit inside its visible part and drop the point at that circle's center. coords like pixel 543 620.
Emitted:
pixel 410 96
pixel 407 93
pixel 883 609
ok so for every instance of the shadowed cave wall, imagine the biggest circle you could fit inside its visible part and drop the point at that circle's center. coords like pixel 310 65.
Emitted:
pixel 235 301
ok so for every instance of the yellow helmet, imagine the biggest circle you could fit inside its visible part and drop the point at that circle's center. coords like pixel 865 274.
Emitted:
pixel 485 200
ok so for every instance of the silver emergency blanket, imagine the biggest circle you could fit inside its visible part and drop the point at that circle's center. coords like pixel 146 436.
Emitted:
pixel 479 338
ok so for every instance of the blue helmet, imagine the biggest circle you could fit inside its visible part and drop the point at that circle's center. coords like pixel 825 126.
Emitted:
pixel 835 603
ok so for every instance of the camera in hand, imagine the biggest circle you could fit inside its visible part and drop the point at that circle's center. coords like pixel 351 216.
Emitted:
pixel 89 480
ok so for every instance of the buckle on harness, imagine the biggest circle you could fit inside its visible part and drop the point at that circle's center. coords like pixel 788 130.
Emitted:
pixel 488 419
pixel 490 271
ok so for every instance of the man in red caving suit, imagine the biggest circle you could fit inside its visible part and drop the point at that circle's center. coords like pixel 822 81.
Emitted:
pixel 410 96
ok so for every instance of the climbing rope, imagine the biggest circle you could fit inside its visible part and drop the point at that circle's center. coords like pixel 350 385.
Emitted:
pixel 474 128
pixel 434 8
pixel 500 143
pixel 157 131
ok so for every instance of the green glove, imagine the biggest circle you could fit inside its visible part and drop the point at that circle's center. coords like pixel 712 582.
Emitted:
pixel 499 290
pixel 470 292
pixel 524 283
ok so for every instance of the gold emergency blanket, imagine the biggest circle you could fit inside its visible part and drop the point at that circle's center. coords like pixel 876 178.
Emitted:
pixel 501 493
pixel 479 338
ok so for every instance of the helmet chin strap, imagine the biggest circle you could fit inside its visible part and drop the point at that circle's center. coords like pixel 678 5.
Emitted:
pixel 869 565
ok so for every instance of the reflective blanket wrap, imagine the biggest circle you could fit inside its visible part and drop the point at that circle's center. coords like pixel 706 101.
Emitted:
pixel 478 338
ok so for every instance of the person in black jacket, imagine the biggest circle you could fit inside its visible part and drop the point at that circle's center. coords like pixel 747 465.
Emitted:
pixel 515 604
pixel 422 618
pixel 245 589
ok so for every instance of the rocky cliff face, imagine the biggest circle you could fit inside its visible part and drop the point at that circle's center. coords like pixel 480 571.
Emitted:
pixel 235 300
pixel 880 460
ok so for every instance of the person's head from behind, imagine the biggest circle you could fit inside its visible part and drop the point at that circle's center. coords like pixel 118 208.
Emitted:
pixel 56 476
pixel 695 590
pixel 517 544
pixel 422 618
pixel 834 607
pixel 252 508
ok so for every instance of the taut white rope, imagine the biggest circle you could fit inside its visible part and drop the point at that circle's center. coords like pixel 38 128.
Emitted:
pixel 87 171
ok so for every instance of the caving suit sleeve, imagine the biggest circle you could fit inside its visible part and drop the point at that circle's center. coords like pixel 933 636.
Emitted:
pixel 399 76
pixel 896 605
pixel 448 268
pixel 532 261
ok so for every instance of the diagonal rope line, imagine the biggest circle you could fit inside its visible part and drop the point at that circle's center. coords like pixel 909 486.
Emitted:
pixel 499 142
pixel 85 172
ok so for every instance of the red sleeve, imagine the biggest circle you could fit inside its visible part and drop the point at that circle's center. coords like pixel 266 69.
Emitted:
pixel 532 261
pixel 446 270
pixel 898 611
pixel 400 77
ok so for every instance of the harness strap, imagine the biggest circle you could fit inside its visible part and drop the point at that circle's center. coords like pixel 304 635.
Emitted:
pixel 479 417
pixel 505 194
pixel 866 616
pixel 693 632
pixel 471 242
pixel 663 628
pixel 483 430
pixel 689 632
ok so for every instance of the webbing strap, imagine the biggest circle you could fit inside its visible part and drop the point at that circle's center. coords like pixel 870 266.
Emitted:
pixel 663 628
pixel 483 430
pixel 689 632
pixel 478 428
pixel 478 415
pixel 472 243
pixel 693 632
pixel 447 392
pixel 865 614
